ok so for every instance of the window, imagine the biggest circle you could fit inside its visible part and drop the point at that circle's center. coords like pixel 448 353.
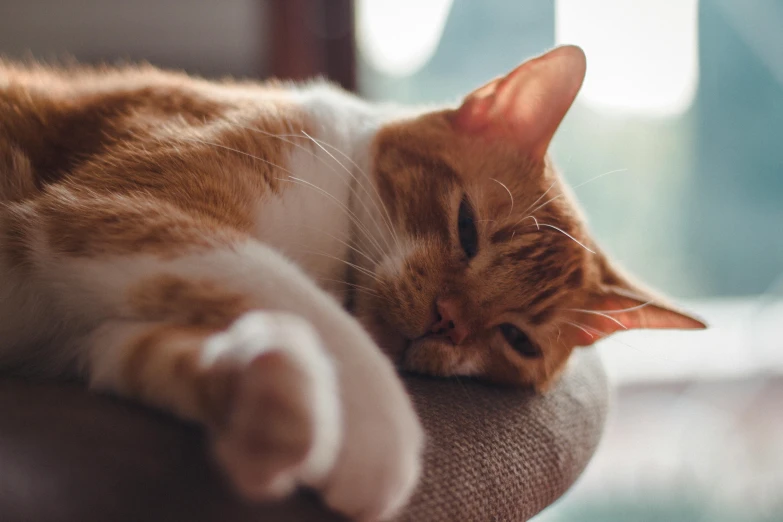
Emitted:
pixel 683 106
pixel 682 109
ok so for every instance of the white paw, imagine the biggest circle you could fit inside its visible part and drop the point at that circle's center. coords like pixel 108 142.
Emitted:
pixel 375 476
pixel 282 428
pixel 380 460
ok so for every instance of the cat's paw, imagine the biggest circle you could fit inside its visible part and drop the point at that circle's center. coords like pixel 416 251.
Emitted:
pixel 282 424
pixel 380 461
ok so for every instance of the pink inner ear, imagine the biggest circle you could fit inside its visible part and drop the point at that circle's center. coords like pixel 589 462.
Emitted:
pixel 526 106
pixel 616 311
pixel 473 115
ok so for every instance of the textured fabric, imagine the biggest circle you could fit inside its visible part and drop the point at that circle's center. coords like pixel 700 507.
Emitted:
pixel 492 454
pixel 504 455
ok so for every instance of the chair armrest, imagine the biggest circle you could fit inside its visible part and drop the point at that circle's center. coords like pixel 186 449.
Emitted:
pixel 492 454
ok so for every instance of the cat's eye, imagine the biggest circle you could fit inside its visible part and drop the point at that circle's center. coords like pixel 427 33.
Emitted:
pixel 466 227
pixel 519 341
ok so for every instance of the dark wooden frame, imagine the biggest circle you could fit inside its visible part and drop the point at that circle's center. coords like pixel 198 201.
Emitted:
pixel 308 38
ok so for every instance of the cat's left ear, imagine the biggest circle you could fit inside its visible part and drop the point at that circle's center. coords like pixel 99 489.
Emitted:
pixel 526 106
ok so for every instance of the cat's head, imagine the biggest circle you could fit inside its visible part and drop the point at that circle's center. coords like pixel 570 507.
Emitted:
pixel 492 272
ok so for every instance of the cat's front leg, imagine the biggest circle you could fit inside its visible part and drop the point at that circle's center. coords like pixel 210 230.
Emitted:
pixel 374 464
pixel 380 459
pixel 377 461
pixel 264 389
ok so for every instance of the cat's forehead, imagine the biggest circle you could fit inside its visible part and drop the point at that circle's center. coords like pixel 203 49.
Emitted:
pixel 532 229
pixel 430 145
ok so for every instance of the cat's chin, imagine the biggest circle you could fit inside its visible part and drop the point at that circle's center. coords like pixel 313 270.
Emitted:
pixel 434 355
pixel 427 354
pixel 418 352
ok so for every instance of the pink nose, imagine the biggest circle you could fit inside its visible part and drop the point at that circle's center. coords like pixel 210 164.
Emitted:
pixel 448 322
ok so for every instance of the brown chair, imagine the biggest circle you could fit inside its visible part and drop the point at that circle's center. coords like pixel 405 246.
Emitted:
pixel 493 454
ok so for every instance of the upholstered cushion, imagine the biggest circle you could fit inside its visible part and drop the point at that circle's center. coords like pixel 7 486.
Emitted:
pixel 493 454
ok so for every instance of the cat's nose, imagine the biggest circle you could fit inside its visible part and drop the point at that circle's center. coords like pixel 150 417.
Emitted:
pixel 448 322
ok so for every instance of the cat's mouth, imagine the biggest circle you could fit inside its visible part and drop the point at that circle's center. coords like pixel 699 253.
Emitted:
pixel 430 354
pixel 437 337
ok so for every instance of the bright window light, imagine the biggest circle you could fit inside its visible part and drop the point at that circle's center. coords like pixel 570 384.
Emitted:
pixel 399 37
pixel 642 55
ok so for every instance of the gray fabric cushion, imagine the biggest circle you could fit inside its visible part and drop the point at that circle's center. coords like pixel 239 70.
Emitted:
pixel 493 454
pixel 500 454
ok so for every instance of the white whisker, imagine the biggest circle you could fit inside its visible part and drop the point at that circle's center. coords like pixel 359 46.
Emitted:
pixel 542 205
pixel 541 196
pixel 511 196
pixel 360 199
pixel 366 289
pixel 575 325
pixel 353 217
pixel 568 235
pixel 262 160
pixel 324 162
pixel 606 335
pixel 293 179
pixel 367 177
pixel 538 227
pixel 631 295
pixel 344 243
pixel 594 312
pixel 389 221
pixel 350 213
pixel 366 272
pixel 615 171
pixel 623 310
pixel 587 329
pixel 379 202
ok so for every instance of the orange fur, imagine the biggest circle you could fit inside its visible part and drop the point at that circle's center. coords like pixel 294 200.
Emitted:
pixel 522 270
pixel 91 151
pixel 172 298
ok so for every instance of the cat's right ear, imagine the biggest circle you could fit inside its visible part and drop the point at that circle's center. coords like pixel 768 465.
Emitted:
pixel 526 106
pixel 618 303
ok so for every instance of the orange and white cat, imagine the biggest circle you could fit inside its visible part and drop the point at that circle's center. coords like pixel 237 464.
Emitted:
pixel 259 257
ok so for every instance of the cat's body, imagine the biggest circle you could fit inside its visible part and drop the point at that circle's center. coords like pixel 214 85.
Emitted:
pixel 263 178
pixel 93 252
pixel 195 245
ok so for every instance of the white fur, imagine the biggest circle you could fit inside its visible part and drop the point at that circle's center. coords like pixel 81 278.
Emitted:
pixel 260 332
pixel 338 200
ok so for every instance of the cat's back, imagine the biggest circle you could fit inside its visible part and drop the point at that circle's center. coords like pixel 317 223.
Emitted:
pixel 56 120
pixel 267 160
pixel 148 162
pixel 32 88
